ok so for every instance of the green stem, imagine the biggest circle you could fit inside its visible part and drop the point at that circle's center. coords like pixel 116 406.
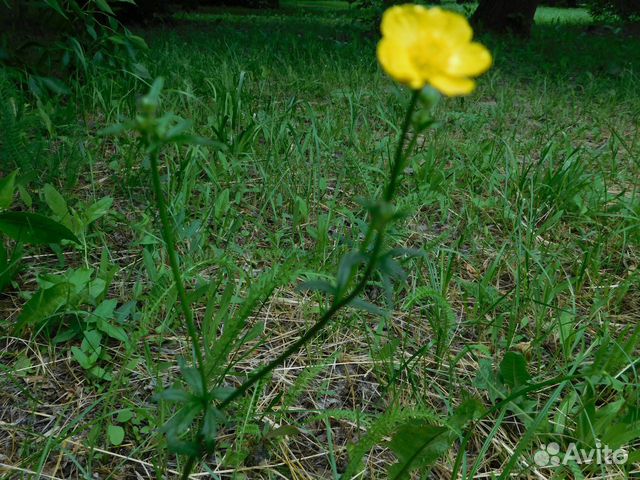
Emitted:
pixel 167 235
pixel 186 471
pixel 398 161
pixel 315 329
pixel 338 304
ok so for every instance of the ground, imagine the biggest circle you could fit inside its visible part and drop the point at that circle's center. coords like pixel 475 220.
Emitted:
pixel 524 202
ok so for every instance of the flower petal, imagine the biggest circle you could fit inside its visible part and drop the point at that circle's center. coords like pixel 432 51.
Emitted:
pixel 450 27
pixel 452 86
pixel 469 60
pixel 395 60
pixel 403 23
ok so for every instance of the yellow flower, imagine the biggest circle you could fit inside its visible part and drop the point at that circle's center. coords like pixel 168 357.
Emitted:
pixel 422 46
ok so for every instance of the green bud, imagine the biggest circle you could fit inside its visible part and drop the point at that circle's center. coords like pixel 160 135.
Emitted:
pixel 429 97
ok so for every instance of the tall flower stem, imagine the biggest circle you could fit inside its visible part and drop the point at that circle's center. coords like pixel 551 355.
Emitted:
pixel 169 240
pixel 339 303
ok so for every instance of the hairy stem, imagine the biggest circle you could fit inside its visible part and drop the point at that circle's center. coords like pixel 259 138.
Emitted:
pixel 371 264
pixel 168 237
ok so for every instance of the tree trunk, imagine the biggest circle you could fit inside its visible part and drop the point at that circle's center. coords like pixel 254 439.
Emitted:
pixel 506 16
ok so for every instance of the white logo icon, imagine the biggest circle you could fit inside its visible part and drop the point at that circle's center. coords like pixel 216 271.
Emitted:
pixel 547 456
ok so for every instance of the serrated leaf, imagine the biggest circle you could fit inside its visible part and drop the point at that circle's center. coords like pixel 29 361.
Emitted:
pixel 212 418
pixel 193 378
pixel 174 395
pixel 181 447
pixel 367 306
pixel 417 444
pixel 469 410
pixel 182 420
pixel 318 286
pixel 34 228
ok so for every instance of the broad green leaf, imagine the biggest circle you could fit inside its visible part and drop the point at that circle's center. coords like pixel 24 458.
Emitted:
pixel 113 331
pixel 80 278
pixel 34 228
pixel 91 341
pixel 124 415
pixel 82 358
pixel 221 393
pixel 42 305
pixel 91 345
pixel 361 304
pixel 101 374
pixel 317 286
pixel 97 210
pixel 55 85
pixel 7 189
pixel 513 370
pixel 56 202
pixel 139 43
pixel 115 434
pixel 21 365
pixel 97 287
pixel 105 309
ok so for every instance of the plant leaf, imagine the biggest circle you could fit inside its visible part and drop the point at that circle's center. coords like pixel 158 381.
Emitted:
pixel 97 210
pixel 513 370
pixel 34 228
pixel 115 434
pixel 42 305
pixel 7 188
pixel 417 444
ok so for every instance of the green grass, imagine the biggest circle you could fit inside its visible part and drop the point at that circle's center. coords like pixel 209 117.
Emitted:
pixel 524 201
